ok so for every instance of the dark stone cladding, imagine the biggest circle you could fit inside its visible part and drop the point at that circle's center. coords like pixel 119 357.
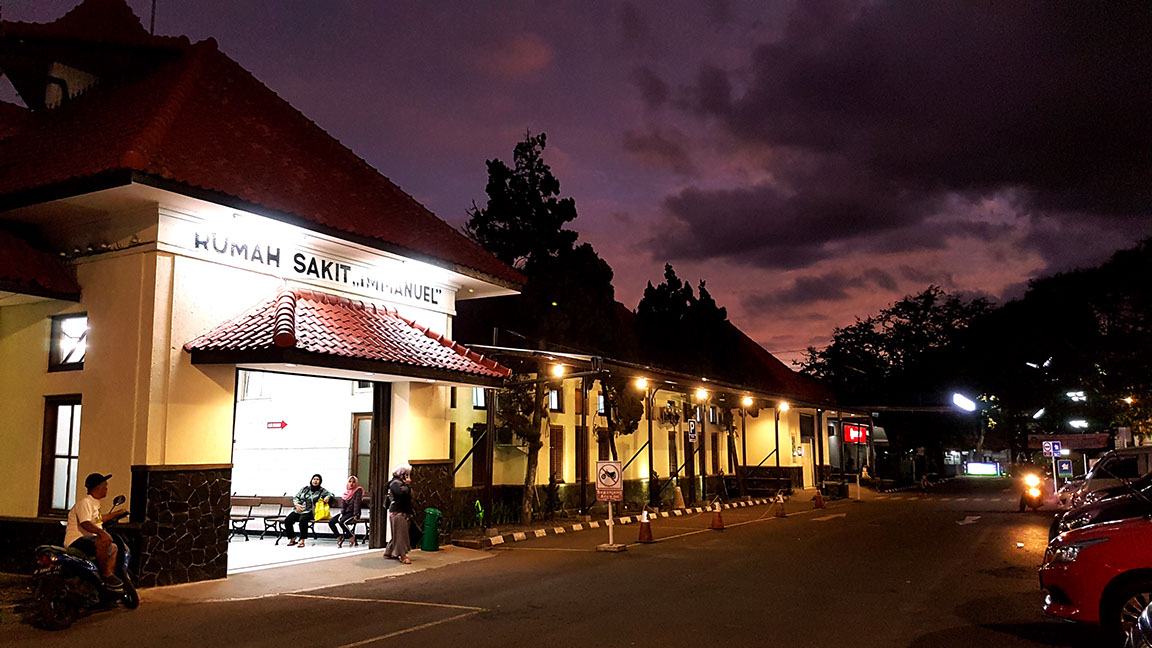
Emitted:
pixel 182 512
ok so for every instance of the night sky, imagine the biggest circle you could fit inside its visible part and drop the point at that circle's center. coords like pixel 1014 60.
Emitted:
pixel 812 161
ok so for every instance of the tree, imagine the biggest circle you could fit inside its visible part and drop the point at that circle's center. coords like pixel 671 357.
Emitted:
pixel 623 409
pixel 680 330
pixel 522 411
pixel 523 221
pixel 568 299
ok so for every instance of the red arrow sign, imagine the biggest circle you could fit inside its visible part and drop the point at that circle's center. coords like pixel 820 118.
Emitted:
pixel 277 425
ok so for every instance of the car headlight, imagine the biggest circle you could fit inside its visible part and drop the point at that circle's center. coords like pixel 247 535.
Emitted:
pixel 1070 552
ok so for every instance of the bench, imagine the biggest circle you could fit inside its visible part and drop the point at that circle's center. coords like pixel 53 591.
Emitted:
pixel 241 514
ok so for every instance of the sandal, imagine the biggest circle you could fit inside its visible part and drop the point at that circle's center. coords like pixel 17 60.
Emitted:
pixel 340 540
pixel 404 559
pixel 390 557
pixel 301 545
pixel 292 542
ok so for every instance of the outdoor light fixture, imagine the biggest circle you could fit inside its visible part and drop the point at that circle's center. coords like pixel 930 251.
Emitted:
pixel 1078 423
pixel 747 401
pixel 1064 452
pixel 1129 400
pixel 558 370
pixel 1039 413
pixel 963 402
pixel 641 383
pixel 1077 396
pixel 784 406
pixel 701 394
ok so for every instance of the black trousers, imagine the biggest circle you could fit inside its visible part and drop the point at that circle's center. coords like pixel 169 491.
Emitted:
pixel 303 518
pixel 339 520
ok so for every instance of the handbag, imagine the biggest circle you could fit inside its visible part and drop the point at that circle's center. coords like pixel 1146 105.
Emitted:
pixel 323 511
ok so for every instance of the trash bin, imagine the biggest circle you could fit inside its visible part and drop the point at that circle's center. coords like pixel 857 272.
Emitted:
pixel 431 539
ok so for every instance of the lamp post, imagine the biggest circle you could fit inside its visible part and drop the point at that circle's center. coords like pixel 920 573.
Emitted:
pixel 781 406
pixel 649 395
pixel 745 404
pixel 702 399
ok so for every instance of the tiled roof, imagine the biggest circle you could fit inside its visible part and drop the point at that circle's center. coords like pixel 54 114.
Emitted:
pixel 329 325
pixel 199 120
pixel 770 373
pixel 28 271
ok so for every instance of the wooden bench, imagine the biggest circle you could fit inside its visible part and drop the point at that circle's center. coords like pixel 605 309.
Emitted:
pixel 241 514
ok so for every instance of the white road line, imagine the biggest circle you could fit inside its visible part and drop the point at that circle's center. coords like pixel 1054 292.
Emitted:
pixel 450 606
pixel 961 499
pixel 407 630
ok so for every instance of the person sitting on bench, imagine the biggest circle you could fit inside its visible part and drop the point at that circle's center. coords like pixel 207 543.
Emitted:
pixel 353 498
pixel 305 502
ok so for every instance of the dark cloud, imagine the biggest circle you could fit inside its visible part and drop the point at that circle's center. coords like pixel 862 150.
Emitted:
pixel 660 149
pixel 633 29
pixel 719 12
pixel 832 286
pixel 653 90
pixel 892 109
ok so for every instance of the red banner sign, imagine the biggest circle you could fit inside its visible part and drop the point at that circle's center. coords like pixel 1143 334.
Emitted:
pixel 855 433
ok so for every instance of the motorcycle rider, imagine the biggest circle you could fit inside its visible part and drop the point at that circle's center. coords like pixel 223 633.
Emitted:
pixel 85 530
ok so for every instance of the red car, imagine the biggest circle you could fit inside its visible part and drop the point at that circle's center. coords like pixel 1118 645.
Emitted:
pixel 1100 574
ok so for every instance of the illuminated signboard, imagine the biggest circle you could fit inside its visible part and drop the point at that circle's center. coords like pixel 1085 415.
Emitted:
pixel 978 468
pixel 855 433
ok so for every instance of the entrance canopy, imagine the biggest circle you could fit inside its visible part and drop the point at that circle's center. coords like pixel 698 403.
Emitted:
pixel 316 329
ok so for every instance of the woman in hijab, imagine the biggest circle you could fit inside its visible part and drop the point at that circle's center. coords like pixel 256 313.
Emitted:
pixel 399 512
pixel 305 502
pixel 353 498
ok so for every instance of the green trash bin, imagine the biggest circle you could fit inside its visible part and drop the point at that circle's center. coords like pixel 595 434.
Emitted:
pixel 431 539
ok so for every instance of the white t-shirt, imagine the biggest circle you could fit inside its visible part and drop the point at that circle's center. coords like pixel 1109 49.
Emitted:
pixel 86 510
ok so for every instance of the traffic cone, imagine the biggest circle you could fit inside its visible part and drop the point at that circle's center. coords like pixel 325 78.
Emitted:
pixel 780 507
pixel 818 501
pixel 645 530
pixel 717 520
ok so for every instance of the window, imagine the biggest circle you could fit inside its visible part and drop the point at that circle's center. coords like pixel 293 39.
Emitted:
pixel 556 452
pixel 69 342
pixel 361 385
pixel 362 448
pixel 480 455
pixel 600 403
pixel 452 397
pixel 712 415
pixel 555 400
pixel 578 404
pixel 581 452
pixel 603 451
pixel 673 460
pixel 715 454
pixel 479 398
pixel 254 385
pixel 61 454
pixel 452 443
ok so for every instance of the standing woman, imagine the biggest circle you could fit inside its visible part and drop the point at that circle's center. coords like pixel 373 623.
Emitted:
pixel 305 502
pixel 353 499
pixel 399 512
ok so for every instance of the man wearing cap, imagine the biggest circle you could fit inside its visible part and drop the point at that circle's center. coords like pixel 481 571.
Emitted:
pixel 85 530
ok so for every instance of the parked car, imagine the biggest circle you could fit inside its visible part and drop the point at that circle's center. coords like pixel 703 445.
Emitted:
pixel 1064 495
pixel 1110 471
pixel 1100 574
pixel 1116 503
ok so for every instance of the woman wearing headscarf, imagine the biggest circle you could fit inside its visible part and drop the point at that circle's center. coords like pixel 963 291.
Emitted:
pixel 305 502
pixel 353 498
pixel 399 512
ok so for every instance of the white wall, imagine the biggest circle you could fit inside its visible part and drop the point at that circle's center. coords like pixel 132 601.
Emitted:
pixel 317 438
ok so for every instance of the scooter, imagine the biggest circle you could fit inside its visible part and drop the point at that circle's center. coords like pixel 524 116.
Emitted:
pixel 66 582
pixel 1032 497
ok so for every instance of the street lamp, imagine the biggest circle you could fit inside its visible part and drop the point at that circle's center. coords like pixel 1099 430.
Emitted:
pixel 649 396
pixel 746 403
pixel 558 370
pixel 963 402
pixel 782 406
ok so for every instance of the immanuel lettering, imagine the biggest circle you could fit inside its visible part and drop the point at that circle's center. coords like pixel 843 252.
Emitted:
pixel 262 254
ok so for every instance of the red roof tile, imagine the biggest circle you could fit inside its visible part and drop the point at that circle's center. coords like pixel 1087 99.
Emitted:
pixel 329 325
pixel 29 271
pixel 202 121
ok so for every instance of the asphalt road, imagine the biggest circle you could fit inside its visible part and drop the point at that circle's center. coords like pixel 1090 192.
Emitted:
pixel 897 570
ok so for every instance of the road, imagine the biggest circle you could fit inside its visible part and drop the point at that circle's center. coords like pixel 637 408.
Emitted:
pixel 897 570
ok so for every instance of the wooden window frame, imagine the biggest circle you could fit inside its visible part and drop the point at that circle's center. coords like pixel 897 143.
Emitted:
pixel 673 454
pixel 55 356
pixel 483 398
pixel 559 409
pixel 356 418
pixel 48 453
pixel 715 453
pixel 452 397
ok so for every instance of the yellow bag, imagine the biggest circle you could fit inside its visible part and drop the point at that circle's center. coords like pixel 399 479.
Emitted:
pixel 323 512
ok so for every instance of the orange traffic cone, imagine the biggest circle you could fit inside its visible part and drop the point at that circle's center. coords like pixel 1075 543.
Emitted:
pixel 818 501
pixel 645 529
pixel 717 520
pixel 780 507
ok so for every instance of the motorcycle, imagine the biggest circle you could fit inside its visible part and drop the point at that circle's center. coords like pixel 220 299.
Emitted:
pixel 1032 497
pixel 66 582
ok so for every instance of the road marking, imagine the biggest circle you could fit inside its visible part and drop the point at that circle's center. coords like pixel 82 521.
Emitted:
pixel 961 499
pixel 450 606
pixel 968 519
pixel 549 549
pixel 422 626
pixel 882 497
pixel 830 517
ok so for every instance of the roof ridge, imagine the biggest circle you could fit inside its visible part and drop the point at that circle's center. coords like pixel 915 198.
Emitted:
pixel 140 149
pixel 456 347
